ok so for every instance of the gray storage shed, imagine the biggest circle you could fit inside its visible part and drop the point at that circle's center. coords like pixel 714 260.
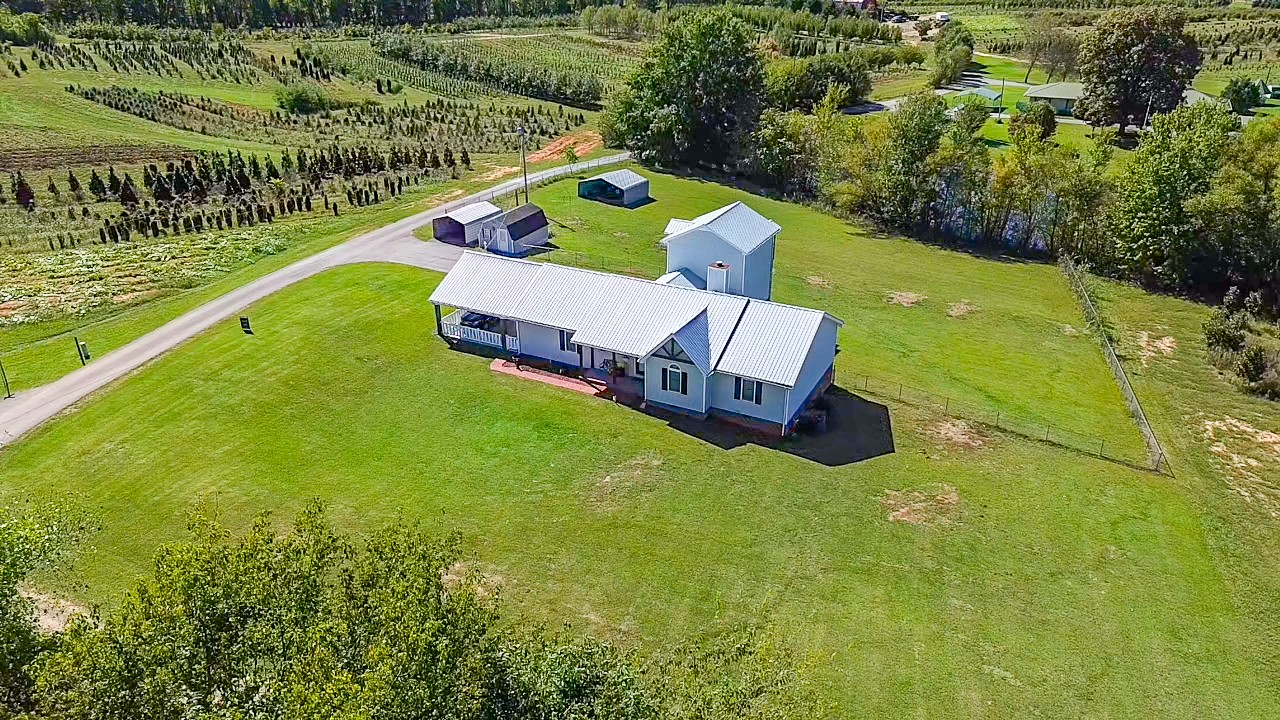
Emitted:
pixel 518 232
pixel 619 187
pixel 461 226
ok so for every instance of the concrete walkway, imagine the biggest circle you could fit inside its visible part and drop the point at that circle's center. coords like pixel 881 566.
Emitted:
pixel 392 243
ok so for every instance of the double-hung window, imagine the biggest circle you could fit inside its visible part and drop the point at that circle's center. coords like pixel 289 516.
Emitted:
pixel 747 390
pixel 566 342
pixel 675 380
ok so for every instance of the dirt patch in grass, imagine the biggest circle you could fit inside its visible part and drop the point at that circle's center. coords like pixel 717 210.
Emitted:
pixel 498 173
pixel 905 299
pixel 818 281
pixel 960 309
pixel 939 505
pixel 446 197
pixel 1250 458
pixel 583 143
pixel 52 613
pixel 626 481
pixel 1152 348
pixel 35 159
pixel 956 433
pixel 462 574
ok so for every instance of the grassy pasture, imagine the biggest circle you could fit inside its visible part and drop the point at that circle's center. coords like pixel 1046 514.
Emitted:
pixel 1055 584
pixel 608 518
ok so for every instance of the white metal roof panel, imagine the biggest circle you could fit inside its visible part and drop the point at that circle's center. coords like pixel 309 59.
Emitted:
pixel 623 179
pixel 695 339
pixel 478 283
pixel 771 342
pixel 736 223
pixel 468 214
pixel 682 278
pixel 1057 91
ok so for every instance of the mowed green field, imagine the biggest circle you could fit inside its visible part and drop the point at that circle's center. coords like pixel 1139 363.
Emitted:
pixel 1034 581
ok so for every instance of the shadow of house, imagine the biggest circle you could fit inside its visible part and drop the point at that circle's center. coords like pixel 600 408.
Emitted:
pixel 857 430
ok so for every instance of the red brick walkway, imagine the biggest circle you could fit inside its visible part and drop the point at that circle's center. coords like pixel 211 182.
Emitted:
pixel 506 367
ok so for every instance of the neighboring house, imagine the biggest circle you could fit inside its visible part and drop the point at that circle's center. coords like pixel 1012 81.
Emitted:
pixel 461 226
pixel 517 232
pixel 1062 96
pixel 675 345
pixel 727 250
pixel 619 187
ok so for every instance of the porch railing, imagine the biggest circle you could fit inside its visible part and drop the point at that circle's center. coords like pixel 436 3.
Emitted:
pixel 451 326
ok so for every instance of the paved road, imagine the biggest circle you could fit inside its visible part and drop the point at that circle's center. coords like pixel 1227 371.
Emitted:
pixel 392 243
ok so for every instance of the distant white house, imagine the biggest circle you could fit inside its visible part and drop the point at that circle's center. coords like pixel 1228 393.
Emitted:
pixel 1063 96
pixel 671 342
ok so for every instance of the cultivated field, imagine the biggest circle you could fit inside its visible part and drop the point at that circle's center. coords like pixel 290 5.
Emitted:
pixel 922 564
pixel 225 181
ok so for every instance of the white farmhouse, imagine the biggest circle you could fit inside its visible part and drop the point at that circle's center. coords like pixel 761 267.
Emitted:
pixel 677 344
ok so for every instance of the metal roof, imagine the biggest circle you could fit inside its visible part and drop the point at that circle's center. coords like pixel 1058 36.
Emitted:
pixel 771 342
pixel 983 92
pixel 721 333
pixel 622 179
pixel 471 285
pixel 468 214
pixel 736 223
pixel 682 278
pixel 1056 91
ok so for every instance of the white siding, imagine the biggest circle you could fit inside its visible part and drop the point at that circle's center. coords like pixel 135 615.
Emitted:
pixel 758 273
pixel 695 400
pixel 772 400
pixel 544 342
pixel 822 354
pixel 697 249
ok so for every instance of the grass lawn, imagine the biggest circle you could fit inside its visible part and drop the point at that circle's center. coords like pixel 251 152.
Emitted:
pixel 898 85
pixel 1000 68
pixel 1058 585
pixel 1011 352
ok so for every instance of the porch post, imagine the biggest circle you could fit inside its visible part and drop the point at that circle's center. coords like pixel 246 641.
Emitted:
pixel 439 329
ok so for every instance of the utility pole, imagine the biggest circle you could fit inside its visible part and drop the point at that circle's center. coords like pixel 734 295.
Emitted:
pixel 4 376
pixel 523 163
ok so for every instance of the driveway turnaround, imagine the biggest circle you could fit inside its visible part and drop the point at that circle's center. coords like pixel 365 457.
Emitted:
pixel 392 243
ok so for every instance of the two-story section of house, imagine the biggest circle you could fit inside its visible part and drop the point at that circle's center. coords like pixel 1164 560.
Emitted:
pixel 729 250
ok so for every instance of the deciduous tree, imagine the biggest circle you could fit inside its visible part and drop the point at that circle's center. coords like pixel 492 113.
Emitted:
pixel 1135 62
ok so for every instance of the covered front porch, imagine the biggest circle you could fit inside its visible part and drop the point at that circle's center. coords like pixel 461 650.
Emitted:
pixel 478 328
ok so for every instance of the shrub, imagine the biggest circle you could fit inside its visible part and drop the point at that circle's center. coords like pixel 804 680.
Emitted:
pixel 305 99
pixel 1253 364
pixel 24 29
pixel 1038 116
pixel 1224 331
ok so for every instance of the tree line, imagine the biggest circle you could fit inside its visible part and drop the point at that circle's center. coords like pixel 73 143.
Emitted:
pixel 1192 210
pixel 307 623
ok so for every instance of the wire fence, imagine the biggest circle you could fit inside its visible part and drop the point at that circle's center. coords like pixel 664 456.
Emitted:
pixel 1157 459
pixel 1000 419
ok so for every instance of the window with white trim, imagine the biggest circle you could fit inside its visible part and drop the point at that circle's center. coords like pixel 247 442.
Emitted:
pixel 675 380
pixel 747 390
pixel 566 342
